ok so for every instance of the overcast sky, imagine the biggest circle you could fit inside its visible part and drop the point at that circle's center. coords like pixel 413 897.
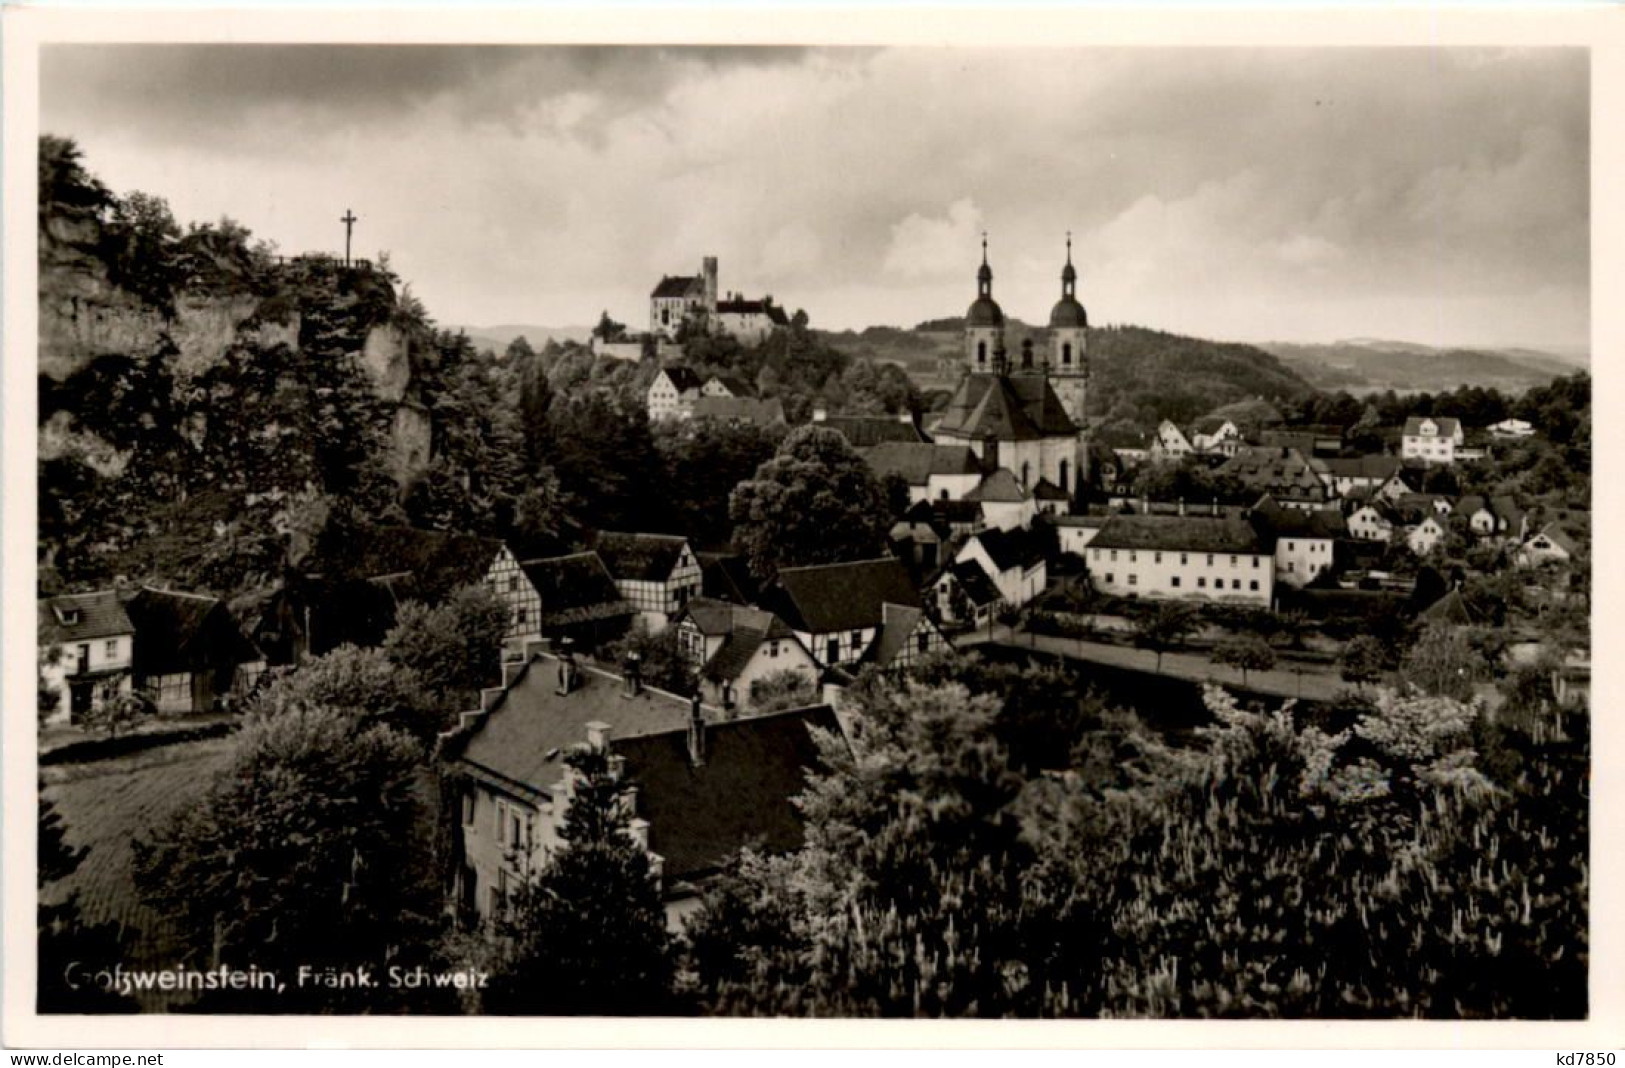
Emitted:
pixel 1439 196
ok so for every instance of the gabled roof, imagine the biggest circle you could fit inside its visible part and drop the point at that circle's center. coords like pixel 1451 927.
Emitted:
pixel 1451 608
pixel 1471 504
pixel 976 583
pixel 1210 534
pixel 862 431
pixel 1558 536
pixel 640 557
pixel 178 633
pixel 1010 548
pixel 836 597
pixel 1006 408
pixel 897 626
pixel 682 378
pixel 698 815
pixel 741 796
pixel 574 589
pixel 1045 490
pixel 1448 426
pixel 727 577
pixel 709 615
pixel 1373 466
pixel 1323 523
pixel 679 285
pixel 747 629
pixel 741 306
pixel 918 461
pixel 95 615
pixel 418 564
pixel 733 384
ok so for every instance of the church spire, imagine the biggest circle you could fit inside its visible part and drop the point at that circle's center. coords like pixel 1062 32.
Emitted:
pixel 984 275
pixel 1069 275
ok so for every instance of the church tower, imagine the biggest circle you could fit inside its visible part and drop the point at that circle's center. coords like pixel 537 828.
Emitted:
pixel 984 325
pixel 1069 344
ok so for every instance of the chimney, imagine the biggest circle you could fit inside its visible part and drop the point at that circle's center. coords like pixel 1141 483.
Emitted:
pixel 598 735
pixel 696 732
pixel 634 674
pixel 568 672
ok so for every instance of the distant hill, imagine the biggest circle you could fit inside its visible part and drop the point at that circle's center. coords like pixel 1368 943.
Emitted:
pixel 498 338
pixel 1367 364
pixel 1138 375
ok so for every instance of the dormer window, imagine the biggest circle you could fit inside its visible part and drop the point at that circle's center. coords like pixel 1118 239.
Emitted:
pixel 68 617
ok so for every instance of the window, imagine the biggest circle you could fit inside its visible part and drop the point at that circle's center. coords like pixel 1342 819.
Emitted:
pixel 1133 580
pixel 1156 558
pixel 1201 582
pixel 981 352
pixel 922 641
pixel 1235 584
pixel 1289 567
pixel 857 638
pixel 110 650
pixel 1174 582
pixel 1209 559
pixel 1290 546
pixel 522 614
pixel 1184 558
pixel 1064 470
pixel 1255 562
pixel 516 829
pixel 1255 584
pixel 773 649
pixel 1133 557
pixel 1232 559
pixel 502 823
pixel 1114 556
pixel 468 809
pixel 832 651
pixel 513 583
pixel 1066 352
pixel 1110 578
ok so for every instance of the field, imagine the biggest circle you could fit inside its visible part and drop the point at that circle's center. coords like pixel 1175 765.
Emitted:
pixel 107 804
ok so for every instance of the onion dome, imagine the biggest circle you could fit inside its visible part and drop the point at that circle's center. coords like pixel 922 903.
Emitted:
pixel 985 311
pixel 1067 311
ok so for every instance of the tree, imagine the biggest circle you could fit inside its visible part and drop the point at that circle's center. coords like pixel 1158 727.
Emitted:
pixel 116 711
pixel 587 936
pixel 364 683
pixel 780 690
pixel 1246 653
pixel 71 953
pixel 1363 660
pixel 1444 662
pixel 815 502
pixel 544 516
pixel 661 660
pixel 455 648
pixel 1167 625
pixel 608 329
pixel 305 850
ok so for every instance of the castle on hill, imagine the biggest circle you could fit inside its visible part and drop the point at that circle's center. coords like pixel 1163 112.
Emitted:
pixel 1028 415
pixel 692 300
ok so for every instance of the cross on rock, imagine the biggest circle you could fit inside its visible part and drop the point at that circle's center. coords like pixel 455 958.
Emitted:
pixel 349 220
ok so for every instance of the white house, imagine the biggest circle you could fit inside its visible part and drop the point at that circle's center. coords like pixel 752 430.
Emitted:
pixel 1371 522
pixel 733 648
pixel 1497 517
pixel 1217 558
pixel 1346 475
pixel 933 472
pixel 749 322
pixel 1005 504
pixel 1170 443
pixel 1425 536
pixel 965 593
pixel 1512 428
pixel 1431 439
pixel 672 393
pixel 1012 558
pixel 1075 532
pixel 836 610
pixel 1216 435
pixel 1551 544
pixel 657 573
pixel 1305 542
pixel 87 646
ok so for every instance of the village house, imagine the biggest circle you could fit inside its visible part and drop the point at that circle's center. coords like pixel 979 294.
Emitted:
pixel 1013 559
pixel 656 573
pixel 574 597
pixel 1425 536
pixel 1075 532
pixel 1512 428
pixel 1218 558
pixel 1294 480
pixel 1305 542
pixel 836 610
pixel 1551 544
pixel 960 517
pixel 754 411
pixel 1372 522
pixel 87 648
pixel 907 636
pixel 1217 435
pixel 933 472
pixel 750 322
pixel 673 393
pixel 734 647
pixel 1050 499
pixel 863 431
pixel 1492 517
pixel 1344 475
pixel 726 386
pixel 1169 444
pixel 918 537
pixel 965 594
pixel 1431 439
pixel 190 656
pixel 507 580
pixel 699 787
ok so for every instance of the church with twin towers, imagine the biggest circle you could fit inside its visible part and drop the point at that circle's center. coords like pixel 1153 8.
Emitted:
pixel 1025 414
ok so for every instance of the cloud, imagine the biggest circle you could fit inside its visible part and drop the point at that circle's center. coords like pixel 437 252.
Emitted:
pixel 934 247
pixel 1210 190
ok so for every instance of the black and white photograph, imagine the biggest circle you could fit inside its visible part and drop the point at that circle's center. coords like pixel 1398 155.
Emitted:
pixel 1042 531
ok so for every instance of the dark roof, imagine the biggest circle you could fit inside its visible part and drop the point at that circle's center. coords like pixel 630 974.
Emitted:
pixel 99 615
pixel 957 512
pixel 1297 523
pixel 917 461
pixel 1006 407
pixel 1068 312
pixel 1447 425
pixel 177 633
pixel 1045 490
pixel 978 585
pixel 835 597
pixel 1222 534
pixel 897 624
pixel 1010 548
pixel 415 564
pixel 1375 466
pixel 747 629
pixel 709 615
pixel 733 384
pixel 574 589
pixel 741 306
pixel 997 487
pixel 740 796
pixel 984 311
pixel 1275 469
pixel 740 410
pixel 679 285
pixel 683 378
pixel 642 557
pixel 727 576
pixel 862 431
pixel 1451 608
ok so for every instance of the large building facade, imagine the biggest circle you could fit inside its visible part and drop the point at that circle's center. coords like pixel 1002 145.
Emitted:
pixel 1026 416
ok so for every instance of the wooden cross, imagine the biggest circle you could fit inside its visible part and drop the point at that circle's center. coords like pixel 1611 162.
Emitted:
pixel 349 222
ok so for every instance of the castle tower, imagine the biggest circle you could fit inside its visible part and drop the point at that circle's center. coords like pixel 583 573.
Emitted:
pixel 984 325
pixel 1069 344
pixel 708 272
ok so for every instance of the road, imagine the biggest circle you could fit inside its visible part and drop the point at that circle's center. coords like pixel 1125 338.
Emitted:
pixel 1309 681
